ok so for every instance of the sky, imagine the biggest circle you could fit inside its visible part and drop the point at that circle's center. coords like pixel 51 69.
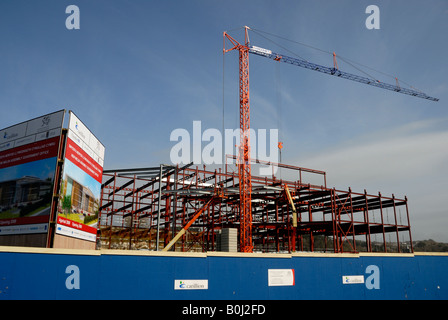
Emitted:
pixel 135 71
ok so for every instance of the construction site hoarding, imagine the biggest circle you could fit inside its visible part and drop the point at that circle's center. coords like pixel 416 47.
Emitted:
pixel 28 161
pixel 81 183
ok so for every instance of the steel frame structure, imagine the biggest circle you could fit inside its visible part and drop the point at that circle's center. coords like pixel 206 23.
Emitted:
pixel 271 214
pixel 145 208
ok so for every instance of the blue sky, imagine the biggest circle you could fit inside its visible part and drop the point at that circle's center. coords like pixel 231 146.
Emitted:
pixel 137 70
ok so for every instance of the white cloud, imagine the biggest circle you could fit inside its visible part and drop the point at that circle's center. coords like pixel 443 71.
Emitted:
pixel 410 160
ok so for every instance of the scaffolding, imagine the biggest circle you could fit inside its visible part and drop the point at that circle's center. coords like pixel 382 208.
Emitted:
pixel 145 208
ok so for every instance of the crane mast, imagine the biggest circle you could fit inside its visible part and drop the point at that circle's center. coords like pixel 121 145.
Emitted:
pixel 244 166
pixel 244 161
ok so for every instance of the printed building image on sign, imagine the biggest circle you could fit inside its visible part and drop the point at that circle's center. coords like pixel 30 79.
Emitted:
pixel 28 160
pixel 81 183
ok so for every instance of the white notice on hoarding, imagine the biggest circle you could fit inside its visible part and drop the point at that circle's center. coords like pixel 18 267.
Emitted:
pixel 281 277
pixel 352 279
pixel 190 284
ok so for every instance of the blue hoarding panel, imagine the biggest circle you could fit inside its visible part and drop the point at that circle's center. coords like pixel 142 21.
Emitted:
pixel 150 276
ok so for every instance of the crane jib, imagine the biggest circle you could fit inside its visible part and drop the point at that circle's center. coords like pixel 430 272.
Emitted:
pixel 337 73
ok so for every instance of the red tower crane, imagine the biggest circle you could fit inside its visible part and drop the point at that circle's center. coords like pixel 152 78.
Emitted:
pixel 244 172
pixel 244 164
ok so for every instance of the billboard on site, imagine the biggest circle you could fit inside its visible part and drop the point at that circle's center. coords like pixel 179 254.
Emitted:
pixel 80 189
pixel 28 161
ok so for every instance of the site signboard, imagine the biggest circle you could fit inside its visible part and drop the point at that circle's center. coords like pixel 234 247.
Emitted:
pixel 81 182
pixel 28 161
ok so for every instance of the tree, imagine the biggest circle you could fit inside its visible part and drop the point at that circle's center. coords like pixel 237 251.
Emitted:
pixel 67 204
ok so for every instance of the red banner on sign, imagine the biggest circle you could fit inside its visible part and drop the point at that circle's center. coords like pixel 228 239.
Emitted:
pixel 75 225
pixel 80 158
pixel 28 153
pixel 24 220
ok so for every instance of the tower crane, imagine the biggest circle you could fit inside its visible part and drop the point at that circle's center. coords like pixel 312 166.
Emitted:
pixel 244 161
